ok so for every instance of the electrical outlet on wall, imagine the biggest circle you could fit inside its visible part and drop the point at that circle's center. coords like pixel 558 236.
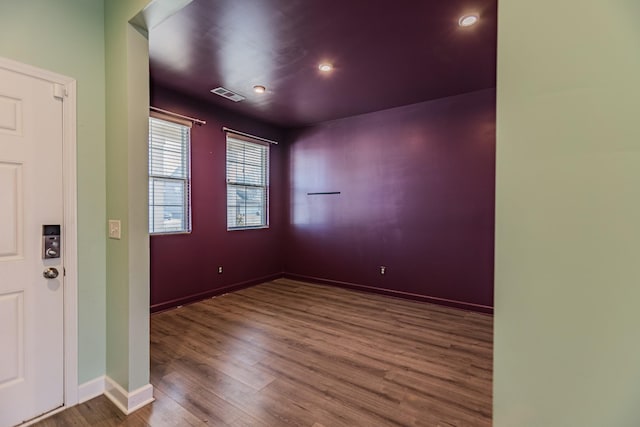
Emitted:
pixel 383 269
pixel 220 270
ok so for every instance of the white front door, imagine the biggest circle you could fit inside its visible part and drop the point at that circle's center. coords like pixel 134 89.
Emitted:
pixel 31 196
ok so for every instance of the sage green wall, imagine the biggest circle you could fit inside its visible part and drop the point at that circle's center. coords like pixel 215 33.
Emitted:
pixel 91 41
pixel 127 85
pixel 67 37
pixel 567 278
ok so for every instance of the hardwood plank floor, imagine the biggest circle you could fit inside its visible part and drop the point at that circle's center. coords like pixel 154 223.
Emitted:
pixel 287 353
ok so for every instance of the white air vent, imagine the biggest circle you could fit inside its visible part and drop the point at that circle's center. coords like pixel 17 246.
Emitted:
pixel 226 93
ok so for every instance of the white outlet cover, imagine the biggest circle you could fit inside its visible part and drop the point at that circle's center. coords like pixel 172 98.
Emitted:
pixel 114 229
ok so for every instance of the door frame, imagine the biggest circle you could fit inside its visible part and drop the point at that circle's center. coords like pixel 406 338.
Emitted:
pixel 70 228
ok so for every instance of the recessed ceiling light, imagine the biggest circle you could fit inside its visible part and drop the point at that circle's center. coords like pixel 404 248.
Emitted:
pixel 259 89
pixel 325 67
pixel 468 20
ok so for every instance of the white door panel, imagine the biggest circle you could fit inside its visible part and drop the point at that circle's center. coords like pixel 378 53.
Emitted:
pixel 11 226
pixel 10 115
pixel 12 325
pixel 31 306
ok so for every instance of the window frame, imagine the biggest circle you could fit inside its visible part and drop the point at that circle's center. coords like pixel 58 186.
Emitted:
pixel 186 158
pixel 266 177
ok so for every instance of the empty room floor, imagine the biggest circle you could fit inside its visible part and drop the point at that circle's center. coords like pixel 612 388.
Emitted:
pixel 288 353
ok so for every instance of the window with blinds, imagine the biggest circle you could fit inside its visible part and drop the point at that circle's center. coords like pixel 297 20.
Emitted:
pixel 169 176
pixel 247 183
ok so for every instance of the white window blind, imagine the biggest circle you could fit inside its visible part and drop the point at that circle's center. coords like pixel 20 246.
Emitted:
pixel 247 183
pixel 169 176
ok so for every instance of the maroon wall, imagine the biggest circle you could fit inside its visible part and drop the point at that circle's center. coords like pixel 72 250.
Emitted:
pixel 416 195
pixel 184 266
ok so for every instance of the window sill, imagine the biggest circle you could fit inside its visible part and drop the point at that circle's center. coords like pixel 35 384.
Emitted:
pixel 170 233
pixel 264 227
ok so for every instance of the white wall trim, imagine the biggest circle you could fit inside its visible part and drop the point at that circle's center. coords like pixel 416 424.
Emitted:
pixel 128 402
pixel 70 227
pixel 70 182
pixel 91 389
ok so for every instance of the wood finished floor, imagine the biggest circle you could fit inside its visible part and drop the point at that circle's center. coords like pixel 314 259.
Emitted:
pixel 287 353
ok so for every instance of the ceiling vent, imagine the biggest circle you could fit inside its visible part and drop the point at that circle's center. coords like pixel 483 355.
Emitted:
pixel 226 93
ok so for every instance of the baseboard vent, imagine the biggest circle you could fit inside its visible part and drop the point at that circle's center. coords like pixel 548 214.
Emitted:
pixel 229 94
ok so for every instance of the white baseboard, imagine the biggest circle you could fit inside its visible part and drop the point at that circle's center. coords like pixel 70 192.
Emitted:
pixel 91 389
pixel 131 401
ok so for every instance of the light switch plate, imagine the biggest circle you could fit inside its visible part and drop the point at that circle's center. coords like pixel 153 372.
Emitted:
pixel 114 229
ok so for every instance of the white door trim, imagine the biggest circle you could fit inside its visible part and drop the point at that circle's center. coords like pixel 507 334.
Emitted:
pixel 70 227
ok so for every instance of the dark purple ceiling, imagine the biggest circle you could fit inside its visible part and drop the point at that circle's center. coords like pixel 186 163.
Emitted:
pixel 385 53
